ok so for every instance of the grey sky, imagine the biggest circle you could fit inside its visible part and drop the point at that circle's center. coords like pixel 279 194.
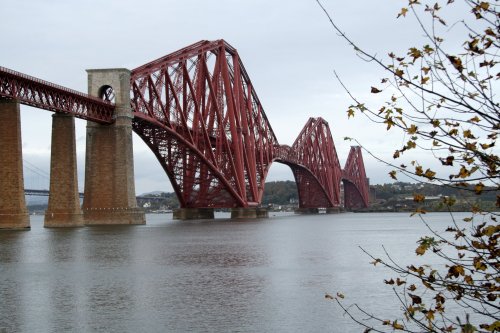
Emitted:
pixel 288 48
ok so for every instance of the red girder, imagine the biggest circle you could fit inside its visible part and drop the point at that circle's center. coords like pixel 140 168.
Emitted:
pixel 197 110
pixel 356 187
pixel 315 165
pixel 32 91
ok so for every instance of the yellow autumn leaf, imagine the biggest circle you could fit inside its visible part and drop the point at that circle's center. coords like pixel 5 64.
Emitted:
pixel 435 122
pixel 389 123
pixel 430 315
pixel 484 5
pixel 403 12
pixel 418 197
pixel 468 134
pixel 397 326
pixel 413 129
pixel 414 53
pixel 463 173
pixel 479 188
pixel 328 296
pixel 411 144
pixel 491 229
pixel 421 250
pixel 479 265
pixel 456 62
pixel 456 271
pixel 429 174
pixel 494 327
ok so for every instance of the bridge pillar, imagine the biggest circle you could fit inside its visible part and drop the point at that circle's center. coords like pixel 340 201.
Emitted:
pixel 333 210
pixel 64 202
pixel 193 214
pixel 109 165
pixel 307 211
pixel 248 212
pixel 13 211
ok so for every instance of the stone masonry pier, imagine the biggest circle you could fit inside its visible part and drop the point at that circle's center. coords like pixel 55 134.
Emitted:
pixel 109 165
pixel 13 211
pixel 64 202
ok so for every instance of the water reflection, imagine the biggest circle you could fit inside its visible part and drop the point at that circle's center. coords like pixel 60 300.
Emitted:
pixel 258 276
pixel 222 256
pixel 12 280
pixel 10 301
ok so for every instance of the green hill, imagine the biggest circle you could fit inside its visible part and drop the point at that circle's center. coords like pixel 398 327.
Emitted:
pixel 280 193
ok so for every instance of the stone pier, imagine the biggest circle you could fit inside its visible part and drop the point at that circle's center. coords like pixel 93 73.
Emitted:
pixel 109 166
pixel 193 213
pixel 248 213
pixel 13 211
pixel 307 211
pixel 64 202
pixel 333 210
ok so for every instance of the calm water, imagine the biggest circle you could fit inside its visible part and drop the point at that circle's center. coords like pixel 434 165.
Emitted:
pixel 221 276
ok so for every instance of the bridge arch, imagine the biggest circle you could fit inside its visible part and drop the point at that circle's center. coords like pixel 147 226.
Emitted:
pixel 353 198
pixel 194 178
pixel 311 193
pixel 198 111
pixel 356 184
pixel 315 165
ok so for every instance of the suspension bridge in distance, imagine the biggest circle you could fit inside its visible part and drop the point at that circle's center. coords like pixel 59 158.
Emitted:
pixel 198 112
pixel 36 183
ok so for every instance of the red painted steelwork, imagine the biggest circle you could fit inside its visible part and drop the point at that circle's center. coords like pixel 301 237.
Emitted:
pixel 35 92
pixel 197 110
pixel 315 165
pixel 356 187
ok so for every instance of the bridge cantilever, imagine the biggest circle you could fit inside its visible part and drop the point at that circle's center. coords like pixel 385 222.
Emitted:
pixel 199 113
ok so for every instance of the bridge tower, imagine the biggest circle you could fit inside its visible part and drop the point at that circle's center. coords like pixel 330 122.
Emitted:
pixel 13 211
pixel 109 167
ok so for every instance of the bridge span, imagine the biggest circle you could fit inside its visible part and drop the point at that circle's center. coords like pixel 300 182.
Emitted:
pixel 198 112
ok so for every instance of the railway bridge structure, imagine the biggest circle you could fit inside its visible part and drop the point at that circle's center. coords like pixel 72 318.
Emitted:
pixel 198 112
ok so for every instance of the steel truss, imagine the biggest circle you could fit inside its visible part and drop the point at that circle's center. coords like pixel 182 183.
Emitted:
pixel 198 111
pixel 315 165
pixel 356 187
pixel 41 94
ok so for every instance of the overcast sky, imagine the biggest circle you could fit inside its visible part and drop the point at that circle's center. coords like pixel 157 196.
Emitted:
pixel 288 48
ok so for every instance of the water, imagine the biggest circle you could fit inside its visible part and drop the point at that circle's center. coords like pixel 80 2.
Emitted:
pixel 267 275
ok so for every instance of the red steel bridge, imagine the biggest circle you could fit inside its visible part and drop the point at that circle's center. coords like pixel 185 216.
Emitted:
pixel 199 113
